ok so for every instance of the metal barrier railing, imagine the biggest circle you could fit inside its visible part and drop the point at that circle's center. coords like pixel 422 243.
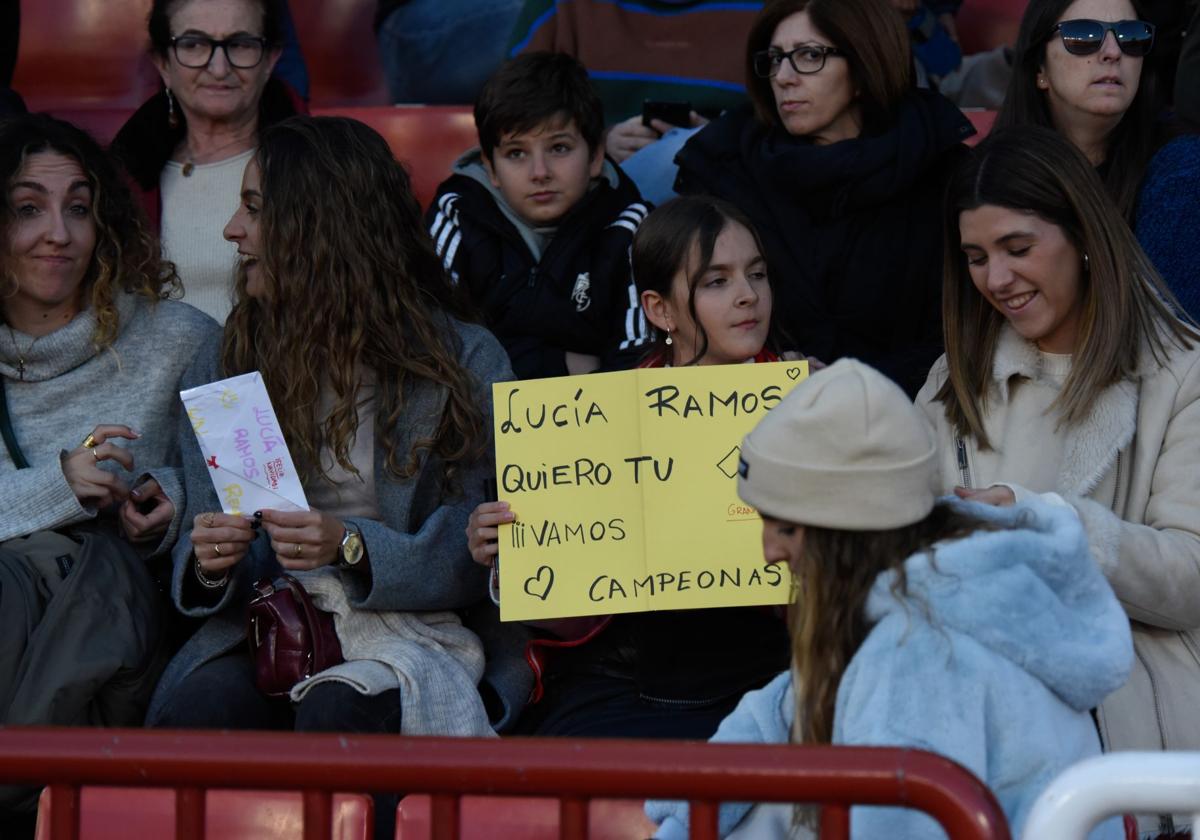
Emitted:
pixel 574 771
pixel 1112 784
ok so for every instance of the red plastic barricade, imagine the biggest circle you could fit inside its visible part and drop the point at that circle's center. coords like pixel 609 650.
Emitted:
pixel 573 771
pixel 426 138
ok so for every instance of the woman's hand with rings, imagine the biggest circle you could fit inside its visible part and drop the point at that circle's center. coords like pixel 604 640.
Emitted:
pixel 483 533
pixel 220 541
pixel 81 466
pixel 303 539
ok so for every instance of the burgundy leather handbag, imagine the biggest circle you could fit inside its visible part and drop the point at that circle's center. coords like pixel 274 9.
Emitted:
pixel 290 639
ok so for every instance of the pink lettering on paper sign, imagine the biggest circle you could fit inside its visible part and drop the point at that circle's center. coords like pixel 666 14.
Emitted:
pixel 241 442
pixel 267 432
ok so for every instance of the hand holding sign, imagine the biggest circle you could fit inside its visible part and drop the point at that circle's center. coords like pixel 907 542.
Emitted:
pixel 626 483
pixel 240 439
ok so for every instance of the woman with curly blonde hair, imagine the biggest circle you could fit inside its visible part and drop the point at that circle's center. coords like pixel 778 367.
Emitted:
pixel 383 396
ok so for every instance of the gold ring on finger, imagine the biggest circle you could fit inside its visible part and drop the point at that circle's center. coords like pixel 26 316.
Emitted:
pixel 89 442
pixel 217 548
pixel 299 549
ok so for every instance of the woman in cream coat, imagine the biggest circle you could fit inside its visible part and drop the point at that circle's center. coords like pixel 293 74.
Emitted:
pixel 1066 370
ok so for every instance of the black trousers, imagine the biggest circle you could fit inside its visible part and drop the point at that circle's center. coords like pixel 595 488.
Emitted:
pixel 222 694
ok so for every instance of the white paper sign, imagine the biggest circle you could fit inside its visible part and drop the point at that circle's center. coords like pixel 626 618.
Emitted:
pixel 248 460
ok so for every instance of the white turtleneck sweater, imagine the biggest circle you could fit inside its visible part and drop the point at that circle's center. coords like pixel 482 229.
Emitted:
pixel 195 210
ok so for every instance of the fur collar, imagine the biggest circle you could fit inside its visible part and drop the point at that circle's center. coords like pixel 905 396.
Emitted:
pixel 1091 446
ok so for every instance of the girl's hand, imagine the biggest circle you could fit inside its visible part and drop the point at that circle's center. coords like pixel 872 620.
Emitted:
pixel 304 539
pixel 483 533
pixel 142 527
pixel 997 495
pixel 220 540
pixel 81 467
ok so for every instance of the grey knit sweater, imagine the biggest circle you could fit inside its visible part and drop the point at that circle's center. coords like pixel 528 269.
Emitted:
pixel 67 388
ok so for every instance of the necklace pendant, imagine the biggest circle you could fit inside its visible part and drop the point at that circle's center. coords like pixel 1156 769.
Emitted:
pixel 188 168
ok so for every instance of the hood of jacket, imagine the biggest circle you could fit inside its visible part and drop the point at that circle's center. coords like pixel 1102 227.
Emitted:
pixel 1029 592
pixel 833 179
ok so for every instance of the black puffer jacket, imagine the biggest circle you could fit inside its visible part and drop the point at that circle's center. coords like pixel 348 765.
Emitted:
pixel 573 299
pixel 852 230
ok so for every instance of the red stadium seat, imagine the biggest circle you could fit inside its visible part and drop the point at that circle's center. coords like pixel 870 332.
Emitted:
pixel 986 24
pixel 84 53
pixel 426 138
pixel 507 818
pixel 983 122
pixel 338 43
pixel 113 813
pixel 101 123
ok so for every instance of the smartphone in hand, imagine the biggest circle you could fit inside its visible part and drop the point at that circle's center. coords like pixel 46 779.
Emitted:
pixel 675 113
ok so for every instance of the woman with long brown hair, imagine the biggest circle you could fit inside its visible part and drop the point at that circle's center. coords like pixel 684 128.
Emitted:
pixel 382 395
pixel 1066 370
pixel 979 633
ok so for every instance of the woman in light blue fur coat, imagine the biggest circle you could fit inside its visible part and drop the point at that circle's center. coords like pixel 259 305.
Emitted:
pixel 989 644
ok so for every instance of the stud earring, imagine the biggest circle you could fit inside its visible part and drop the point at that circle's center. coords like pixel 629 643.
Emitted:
pixel 172 117
pixel 1087 264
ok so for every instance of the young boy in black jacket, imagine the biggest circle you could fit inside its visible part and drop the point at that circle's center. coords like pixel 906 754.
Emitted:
pixel 536 224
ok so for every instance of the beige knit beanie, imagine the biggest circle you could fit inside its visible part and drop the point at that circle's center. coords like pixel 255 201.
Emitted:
pixel 845 449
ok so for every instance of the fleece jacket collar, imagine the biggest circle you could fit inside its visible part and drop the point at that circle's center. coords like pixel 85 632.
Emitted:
pixel 1092 444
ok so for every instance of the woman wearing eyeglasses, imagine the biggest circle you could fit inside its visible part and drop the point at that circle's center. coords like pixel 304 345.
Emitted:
pixel 840 165
pixel 1079 68
pixel 187 147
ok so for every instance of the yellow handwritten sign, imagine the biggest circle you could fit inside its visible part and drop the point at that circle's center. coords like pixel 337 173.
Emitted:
pixel 625 490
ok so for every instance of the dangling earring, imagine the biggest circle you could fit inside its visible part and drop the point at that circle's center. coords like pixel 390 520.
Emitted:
pixel 172 117
pixel 668 341
pixel 1087 264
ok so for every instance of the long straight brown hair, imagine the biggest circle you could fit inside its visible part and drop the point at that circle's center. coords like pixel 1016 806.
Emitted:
pixel 1126 306
pixel 354 285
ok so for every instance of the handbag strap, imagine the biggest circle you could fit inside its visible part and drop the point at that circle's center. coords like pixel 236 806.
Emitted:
pixel 6 431
pixel 301 596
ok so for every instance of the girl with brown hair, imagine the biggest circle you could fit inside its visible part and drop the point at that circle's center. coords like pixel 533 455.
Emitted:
pixel 1066 370
pixel 383 396
pixel 981 634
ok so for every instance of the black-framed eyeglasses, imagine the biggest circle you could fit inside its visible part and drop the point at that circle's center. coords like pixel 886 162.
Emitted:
pixel 1085 36
pixel 805 59
pixel 241 51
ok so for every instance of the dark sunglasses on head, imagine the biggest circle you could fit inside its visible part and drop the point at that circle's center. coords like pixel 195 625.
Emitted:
pixel 1084 37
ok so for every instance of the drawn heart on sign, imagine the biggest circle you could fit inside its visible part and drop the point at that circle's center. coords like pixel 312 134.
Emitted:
pixel 793 373
pixel 537 579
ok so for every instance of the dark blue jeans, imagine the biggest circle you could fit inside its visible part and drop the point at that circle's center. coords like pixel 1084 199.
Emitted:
pixel 222 694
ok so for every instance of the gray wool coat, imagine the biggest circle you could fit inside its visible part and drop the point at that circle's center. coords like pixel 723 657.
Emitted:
pixel 418 553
